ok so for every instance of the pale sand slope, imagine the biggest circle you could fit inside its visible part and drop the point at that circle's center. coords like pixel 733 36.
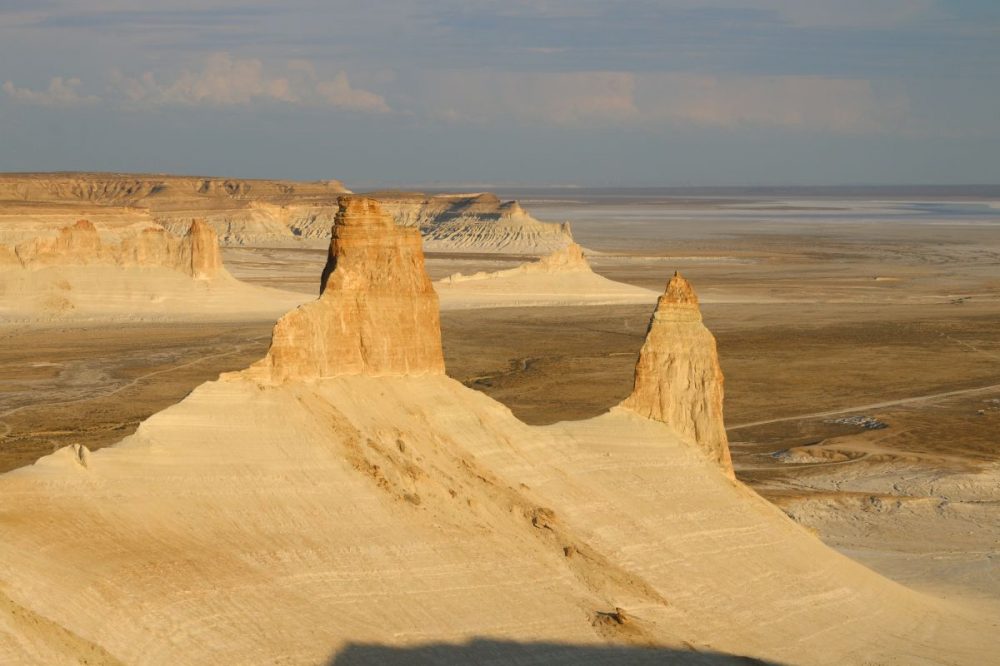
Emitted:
pixel 561 278
pixel 255 523
pixel 294 510
pixel 126 271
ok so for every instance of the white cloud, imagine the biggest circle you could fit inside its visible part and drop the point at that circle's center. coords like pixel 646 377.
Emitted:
pixel 222 80
pixel 658 100
pixel 338 92
pixel 61 92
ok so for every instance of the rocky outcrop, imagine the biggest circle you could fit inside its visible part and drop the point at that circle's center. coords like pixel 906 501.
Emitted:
pixel 202 244
pixel 80 244
pixel 678 379
pixel 567 260
pixel 76 245
pixel 377 313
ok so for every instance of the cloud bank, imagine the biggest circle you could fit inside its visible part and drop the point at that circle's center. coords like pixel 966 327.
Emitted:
pixel 222 80
pixel 623 99
pixel 61 92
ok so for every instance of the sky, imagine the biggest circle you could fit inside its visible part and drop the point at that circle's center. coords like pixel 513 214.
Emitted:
pixel 519 92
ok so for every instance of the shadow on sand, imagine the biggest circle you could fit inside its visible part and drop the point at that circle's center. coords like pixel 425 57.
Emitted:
pixel 482 651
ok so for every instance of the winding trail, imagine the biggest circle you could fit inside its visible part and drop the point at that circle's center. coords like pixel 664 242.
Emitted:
pixel 874 405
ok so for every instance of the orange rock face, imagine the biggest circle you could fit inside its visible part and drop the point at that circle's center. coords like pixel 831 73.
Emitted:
pixel 678 379
pixel 377 313
pixel 569 258
pixel 203 249
pixel 196 254
pixel 78 245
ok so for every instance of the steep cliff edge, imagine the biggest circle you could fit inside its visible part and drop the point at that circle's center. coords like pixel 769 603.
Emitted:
pixel 377 313
pixel 678 379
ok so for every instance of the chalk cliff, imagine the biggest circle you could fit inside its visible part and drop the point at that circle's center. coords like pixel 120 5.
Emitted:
pixel 479 223
pixel 377 313
pixel 678 379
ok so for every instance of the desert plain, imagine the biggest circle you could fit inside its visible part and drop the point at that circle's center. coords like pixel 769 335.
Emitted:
pixel 858 333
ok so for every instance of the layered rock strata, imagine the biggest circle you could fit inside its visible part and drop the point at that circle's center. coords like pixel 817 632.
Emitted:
pixel 377 313
pixel 242 211
pixel 479 223
pixel 678 379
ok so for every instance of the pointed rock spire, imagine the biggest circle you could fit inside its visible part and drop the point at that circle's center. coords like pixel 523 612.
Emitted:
pixel 678 379
pixel 377 313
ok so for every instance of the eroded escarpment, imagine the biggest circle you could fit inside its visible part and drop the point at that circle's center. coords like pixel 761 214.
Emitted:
pixel 477 222
pixel 195 254
pixel 678 379
pixel 278 213
pixel 377 313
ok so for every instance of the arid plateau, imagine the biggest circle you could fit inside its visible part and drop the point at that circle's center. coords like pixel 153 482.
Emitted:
pixel 256 421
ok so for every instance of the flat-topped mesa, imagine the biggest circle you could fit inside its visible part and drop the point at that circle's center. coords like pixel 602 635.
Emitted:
pixel 678 379
pixel 377 313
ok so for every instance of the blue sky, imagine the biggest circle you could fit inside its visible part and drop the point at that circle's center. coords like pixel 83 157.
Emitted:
pixel 642 92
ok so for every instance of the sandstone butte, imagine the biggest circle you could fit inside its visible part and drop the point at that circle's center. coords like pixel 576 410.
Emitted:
pixel 678 379
pixel 346 502
pixel 377 313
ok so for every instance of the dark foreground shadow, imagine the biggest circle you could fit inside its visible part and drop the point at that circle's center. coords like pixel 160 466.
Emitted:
pixel 497 653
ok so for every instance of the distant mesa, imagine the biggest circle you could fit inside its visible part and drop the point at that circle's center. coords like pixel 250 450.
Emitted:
pixel 563 277
pixel 279 213
pixel 568 259
pixel 678 379
pixel 479 223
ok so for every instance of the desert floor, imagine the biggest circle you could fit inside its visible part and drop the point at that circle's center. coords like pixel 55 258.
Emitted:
pixel 816 321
